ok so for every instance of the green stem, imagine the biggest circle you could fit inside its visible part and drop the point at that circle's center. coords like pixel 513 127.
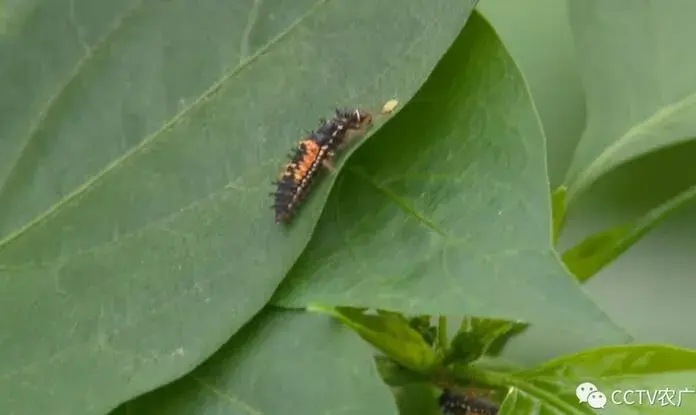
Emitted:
pixel 442 338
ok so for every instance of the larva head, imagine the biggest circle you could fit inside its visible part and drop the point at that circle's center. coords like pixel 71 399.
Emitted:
pixel 354 119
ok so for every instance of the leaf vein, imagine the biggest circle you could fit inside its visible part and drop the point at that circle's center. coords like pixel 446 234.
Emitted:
pixel 35 127
pixel 402 204
pixel 226 397
pixel 143 145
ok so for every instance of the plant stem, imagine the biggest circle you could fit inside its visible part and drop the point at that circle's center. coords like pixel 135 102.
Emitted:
pixel 442 339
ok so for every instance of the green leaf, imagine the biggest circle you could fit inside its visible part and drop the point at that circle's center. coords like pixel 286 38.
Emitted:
pixel 641 92
pixel 390 333
pixel 551 387
pixel 283 362
pixel 537 34
pixel 423 325
pixel 393 374
pixel 442 338
pixel 597 251
pixel 518 402
pixel 478 337
pixel 418 399
pixel 558 210
pixel 446 211
pixel 137 143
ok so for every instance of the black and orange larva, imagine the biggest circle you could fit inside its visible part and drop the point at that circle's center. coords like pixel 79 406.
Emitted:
pixel 452 403
pixel 312 152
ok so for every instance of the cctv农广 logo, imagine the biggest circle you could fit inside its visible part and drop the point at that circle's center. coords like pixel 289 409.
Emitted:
pixel 589 394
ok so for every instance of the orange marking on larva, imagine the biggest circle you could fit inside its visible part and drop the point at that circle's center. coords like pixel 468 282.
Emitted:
pixel 309 159
pixel 314 150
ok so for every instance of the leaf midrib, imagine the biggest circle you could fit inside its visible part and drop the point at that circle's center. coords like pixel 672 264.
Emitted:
pixel 401 203
pixel 201 100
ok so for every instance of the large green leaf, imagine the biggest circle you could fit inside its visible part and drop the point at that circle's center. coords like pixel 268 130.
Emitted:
pixel 283 362
pixel 650 283
pixel 551 387
pixel 624 368
pixel 640 83
pixel 137 141
pixel 538 36
pixel 447 211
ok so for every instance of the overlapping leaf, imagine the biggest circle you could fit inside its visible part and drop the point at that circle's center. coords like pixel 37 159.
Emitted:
pixel 447 209
pixel 598 250
pixel 391 334
pixel 417 399
pixel 551 388
pixel 282 362
pixel 640 84
pixel 137 141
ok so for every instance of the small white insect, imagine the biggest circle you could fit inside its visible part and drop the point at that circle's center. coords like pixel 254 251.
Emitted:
pixel 389 106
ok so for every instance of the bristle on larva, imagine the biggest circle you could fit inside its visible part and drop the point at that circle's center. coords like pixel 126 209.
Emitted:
pixel 312 153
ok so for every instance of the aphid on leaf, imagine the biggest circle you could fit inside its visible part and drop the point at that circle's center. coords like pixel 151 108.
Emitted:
pixel 389 106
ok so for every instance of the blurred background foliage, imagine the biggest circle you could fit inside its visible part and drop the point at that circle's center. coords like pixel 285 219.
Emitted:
pixel 648 289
